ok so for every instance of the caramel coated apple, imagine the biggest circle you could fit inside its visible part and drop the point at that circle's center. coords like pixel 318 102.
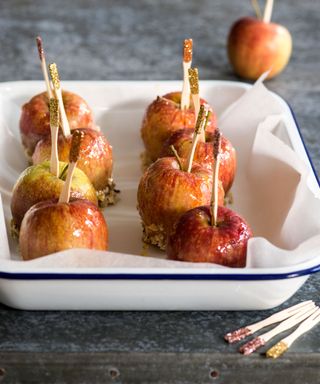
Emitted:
pixel 37 183
pixel 50 226
pixel 182 141
pixel 95 157
pixel 165 192
pixel 35 122
pixel 163 117
pixel 196 240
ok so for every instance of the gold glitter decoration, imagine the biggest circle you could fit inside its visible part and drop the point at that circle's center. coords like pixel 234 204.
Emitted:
pixel 54 112
pixel 77 137
pixel 199 120
pixel 277 350
pixel 54 75
pixel 187 50
pixel 194 80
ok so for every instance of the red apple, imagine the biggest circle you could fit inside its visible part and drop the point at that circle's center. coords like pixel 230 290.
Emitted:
pixel 95 158
pixel 50 227
pixel 163 117
pixel 165 192
pixel 35 122
pixel 256 46
pixel 182 141
pixel 195 239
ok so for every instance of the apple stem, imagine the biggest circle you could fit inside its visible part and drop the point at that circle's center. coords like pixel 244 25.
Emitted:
pixel 186 64
pixel 198 129
pixel 267 14
pixel 77 137
pixel 54 128
pixel 44 66
pixel 57 89
pixel 194 86
pixel 216 158
pixel 257 9
pixel 176 156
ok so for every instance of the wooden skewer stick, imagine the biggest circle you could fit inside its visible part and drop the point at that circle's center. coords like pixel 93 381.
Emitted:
pixel 186 64
pixel 194 87
pixel 243 332
pixel 257 9
pixel 77 137
pixel 214 195
pixel 267 14
pixel 197 130
pixel 44 66
pixel 56 85
pixel 54 128
pixel 261 340
pixel 284 344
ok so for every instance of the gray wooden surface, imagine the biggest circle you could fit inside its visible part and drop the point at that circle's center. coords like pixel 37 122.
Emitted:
pixel 104 40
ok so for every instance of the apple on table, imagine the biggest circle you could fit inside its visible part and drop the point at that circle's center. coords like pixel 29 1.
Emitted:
pixel 257 45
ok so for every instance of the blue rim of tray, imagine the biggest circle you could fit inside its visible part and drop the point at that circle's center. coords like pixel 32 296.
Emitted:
pixel 180 277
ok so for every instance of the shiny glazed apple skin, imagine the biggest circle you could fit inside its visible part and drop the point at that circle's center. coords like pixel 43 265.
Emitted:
pixel 255 47
pixel 95 158
pixel 165 192
pixel 164 116
pixel 196 240
pixel 35 122
pixel 37 183
pixel 182 141
pixel 50 227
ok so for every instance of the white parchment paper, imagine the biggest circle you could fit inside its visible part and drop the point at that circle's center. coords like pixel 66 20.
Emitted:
pixel 270 192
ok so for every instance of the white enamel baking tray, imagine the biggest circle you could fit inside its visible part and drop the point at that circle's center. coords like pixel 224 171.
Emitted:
pixel 118 108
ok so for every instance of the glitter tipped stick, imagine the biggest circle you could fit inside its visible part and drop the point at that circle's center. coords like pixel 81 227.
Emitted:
pixel 216 158
pixel 54 128
pixel 77 137
pixel 57 89
pixel 194 87
pixel 44 66
pixel 284 344
pixel 201 120
pixel 241 333
pixel 186 64
pixel 261 340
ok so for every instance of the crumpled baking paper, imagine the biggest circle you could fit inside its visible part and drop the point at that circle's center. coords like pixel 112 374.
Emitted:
pixel 271 192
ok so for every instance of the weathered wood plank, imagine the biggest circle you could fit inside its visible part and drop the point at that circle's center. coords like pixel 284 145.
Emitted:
pixel 78 368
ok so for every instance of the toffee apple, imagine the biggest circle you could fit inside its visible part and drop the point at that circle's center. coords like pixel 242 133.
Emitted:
pixel 95 158
pixel 166 191
pixel 210 233
pixel 35 120
pixel 182 141
pixel 173 111
pixel 257 45
pixel 52 226
pixel 195 239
